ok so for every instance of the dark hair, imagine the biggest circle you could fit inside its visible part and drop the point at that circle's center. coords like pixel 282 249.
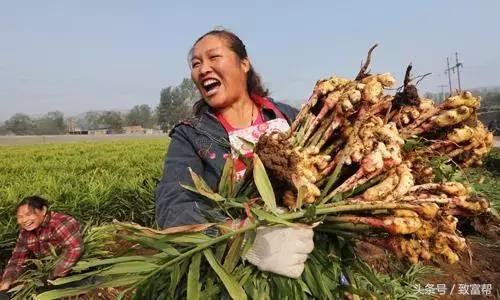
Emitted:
pixel 33 202
pixel 254 82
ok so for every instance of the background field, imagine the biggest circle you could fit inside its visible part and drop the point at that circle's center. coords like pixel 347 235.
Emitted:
pixel 94 181
pixel 16 140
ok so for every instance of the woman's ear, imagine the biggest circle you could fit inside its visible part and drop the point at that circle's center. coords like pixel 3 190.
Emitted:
pixel 245 64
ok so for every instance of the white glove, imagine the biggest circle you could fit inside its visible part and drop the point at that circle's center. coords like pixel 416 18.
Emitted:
pixel 281 250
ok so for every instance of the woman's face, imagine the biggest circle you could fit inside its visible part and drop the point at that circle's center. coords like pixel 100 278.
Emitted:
pixel 218 72
pixel 30 218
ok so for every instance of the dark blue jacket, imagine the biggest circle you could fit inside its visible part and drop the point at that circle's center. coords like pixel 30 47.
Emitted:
pixel 201 143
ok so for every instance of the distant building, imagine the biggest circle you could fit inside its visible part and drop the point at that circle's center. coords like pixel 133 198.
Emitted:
pixel 153 131
pixel 78 131
pixel 137 129
pixel 73 129
pixel 100 131
pixel 134 129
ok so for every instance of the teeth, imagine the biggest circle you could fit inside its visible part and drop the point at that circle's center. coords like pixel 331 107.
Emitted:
pixel 209 81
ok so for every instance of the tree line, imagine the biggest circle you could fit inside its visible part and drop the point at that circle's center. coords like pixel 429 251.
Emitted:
pixel 175 104
pixel 490 97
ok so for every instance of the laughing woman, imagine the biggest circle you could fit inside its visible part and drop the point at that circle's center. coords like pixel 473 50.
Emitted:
pixel 40 231
pixel 234 104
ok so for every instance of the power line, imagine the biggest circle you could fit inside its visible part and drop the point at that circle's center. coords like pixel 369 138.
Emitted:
pixel 457 67
pixel 447 71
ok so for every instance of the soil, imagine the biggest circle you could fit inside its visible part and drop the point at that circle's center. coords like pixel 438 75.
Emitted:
pixel 481 266
pixel 279 164
pixel 409 96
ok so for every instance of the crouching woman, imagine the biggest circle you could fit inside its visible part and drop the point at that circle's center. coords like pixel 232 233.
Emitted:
pixel 39 230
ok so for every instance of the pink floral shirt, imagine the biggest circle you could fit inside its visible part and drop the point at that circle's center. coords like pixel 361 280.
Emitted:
pixel 243 139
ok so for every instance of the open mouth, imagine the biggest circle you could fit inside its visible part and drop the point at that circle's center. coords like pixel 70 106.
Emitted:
pixel 28 224
pixel 211 86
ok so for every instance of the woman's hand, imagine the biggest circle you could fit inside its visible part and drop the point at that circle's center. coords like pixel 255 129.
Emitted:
pixel 281 250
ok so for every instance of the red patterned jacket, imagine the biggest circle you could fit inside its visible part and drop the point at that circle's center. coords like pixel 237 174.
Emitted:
pixel 57 229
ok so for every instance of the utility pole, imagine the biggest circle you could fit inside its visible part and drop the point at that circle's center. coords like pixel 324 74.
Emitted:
pixel 447 71
pixel 442 86
pixel 458 66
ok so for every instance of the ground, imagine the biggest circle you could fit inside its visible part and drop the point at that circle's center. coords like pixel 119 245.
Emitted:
pixel 477 268
pixel 482 267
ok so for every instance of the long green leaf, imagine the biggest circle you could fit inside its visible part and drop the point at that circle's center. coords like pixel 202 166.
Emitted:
pixel 153 243
pixel 130 267
pixel 73 278
pixel 320 279
pixel 186 238
pixel 311 281
pixel 300 197
pixel 220 250
pixel 245 272
pixel 262 215
pixel 209 194
pixel 203 188
pixel 248 143
pixel 57 294
pixel 197 249
pixel 83 265
pixel 193 283
pixel 263 184
pixel 368 273
pixel 248 242
pixel 232 286
pixel 304 286
pixel 363 187
pixel 331 181
pixel 233 255
pixel 175 276
pixel 226 184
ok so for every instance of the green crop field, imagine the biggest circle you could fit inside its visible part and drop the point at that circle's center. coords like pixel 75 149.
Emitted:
pixel 94 181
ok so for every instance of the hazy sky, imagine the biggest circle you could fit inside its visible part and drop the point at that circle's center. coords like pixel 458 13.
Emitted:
pixel 76 56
